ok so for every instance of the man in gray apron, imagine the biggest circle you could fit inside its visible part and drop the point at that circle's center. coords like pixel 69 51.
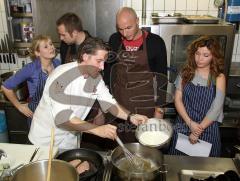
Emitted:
pixel 137 73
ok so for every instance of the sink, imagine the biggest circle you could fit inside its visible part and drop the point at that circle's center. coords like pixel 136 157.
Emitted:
pixel 186 175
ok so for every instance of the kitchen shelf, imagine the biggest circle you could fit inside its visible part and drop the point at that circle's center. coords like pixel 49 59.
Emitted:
pixel 20 22
pixel 22 44
pixel 22 15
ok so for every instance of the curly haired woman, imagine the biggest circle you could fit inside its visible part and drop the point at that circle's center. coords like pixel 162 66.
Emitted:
pixel 199 96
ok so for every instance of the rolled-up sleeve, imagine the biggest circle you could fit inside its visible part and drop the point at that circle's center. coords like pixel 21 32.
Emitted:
pixel 215 113
pixel 16 79
pixel 178 83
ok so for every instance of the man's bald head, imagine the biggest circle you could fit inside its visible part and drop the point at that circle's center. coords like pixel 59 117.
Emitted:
pixel 128 23
pixel 126 11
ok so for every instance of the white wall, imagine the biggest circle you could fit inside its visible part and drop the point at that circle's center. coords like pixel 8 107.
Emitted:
pixel 186 7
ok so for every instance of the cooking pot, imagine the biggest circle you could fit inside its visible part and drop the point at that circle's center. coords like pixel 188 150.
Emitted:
pixel 156 127
pixel 94 159
pixel 37 171
pixel 152 155
pixel 21 90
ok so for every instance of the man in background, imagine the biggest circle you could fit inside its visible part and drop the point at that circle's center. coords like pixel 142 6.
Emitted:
pixel 72 35
pixel 137 76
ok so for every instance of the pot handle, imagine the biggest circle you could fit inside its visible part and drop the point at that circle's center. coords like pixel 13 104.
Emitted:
pixel 10 172
pixel 163 170
pixel 16 168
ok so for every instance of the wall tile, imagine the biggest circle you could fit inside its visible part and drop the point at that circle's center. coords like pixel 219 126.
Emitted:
pixel 235 44
pixel 233 58
pixel 202 12
pixel 181 5
pixel 3 18
pixel 1 22
pixel 213 13
pixel 159 11
pixel 1 35
pixel 237 58
pixel 238 45
pixel 127 3
pixel 137 5
pixel 192 4
pixel 182 12
pixel 170 5
pixel 149 5
pixel 139 13
pixel 170 12
pixel 2 5
pixel 149 14
pixel 158 5
pixel 203 5
pixel 191 12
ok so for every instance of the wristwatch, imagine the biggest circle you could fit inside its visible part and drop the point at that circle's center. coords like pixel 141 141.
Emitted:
pixel 129 116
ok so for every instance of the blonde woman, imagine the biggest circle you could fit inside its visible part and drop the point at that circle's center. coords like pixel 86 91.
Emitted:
pixel 43 54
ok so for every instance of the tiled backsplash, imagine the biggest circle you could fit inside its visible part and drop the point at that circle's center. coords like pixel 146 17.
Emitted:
pixel 186 7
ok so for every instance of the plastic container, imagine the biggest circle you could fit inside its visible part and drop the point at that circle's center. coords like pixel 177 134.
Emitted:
pixel 3 128
pixel 233 11
pixel 24 27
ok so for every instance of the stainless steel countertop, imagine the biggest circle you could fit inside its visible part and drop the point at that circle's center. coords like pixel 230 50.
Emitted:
pixel 177 163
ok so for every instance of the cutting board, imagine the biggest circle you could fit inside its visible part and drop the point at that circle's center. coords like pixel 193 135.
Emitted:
pixel 21 153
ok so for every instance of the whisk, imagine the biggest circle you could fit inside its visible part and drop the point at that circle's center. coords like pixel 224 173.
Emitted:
pixel 137 163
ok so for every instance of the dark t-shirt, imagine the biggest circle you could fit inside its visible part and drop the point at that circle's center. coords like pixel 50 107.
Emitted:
pixel 73 51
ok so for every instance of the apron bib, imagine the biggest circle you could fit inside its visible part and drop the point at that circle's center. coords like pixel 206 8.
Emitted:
pixel 132 84
pixel 35 99
pixel 197 101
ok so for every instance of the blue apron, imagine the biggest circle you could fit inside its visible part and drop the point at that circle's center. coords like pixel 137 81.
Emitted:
pixel 197 101
pixel 34 100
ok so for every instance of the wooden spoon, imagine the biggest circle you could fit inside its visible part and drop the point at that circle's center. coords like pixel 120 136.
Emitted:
pixel 50 155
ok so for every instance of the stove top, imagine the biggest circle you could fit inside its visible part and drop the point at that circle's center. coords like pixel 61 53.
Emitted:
pixel 108 175
pixel 116 178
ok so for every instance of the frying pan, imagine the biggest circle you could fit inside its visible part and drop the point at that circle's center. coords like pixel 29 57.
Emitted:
pixel 94 159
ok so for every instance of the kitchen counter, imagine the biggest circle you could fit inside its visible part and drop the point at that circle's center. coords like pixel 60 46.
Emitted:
pixel 175 164
pixel 20 153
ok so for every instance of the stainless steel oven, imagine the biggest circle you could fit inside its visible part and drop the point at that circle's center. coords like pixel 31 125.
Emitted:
pixel 178 36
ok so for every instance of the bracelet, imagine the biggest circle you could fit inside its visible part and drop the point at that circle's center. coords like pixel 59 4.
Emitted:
pixel 129 116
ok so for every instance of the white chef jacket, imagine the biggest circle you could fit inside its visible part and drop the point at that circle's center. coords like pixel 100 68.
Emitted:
pixel 66 89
